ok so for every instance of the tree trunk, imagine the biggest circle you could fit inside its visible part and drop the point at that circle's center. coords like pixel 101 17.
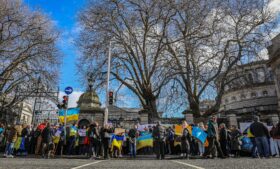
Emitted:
pixel 194 106
pixel 151 108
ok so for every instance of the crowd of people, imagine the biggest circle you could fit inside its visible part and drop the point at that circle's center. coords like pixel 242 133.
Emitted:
pixel 95 141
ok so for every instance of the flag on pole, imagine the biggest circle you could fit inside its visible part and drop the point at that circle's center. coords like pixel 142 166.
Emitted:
pixel 72 114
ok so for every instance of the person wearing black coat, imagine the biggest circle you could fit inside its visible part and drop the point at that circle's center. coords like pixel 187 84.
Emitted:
pixel 235 142
pixel 260 131
pixel 159 136
pixel 47 135
pixel 185 143
pixel 105 139
pixel 223 133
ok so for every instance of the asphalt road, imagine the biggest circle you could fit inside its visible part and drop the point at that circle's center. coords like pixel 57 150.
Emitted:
pixel 242 163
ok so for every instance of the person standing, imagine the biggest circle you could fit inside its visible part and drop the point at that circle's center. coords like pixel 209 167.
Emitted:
pixel 132 135
pixel 11 139
pixel 201 147
pixel 260 131
pixel 213 137
pixel 170 140
pixel 275 134
pixel 224 139
pixel 185 143
pixel 105 138
pixel 47 135
pixel 159 140
pixel 235 141
pixel 72 139
pixel 94 136
pixel 26 136
pixel 82 137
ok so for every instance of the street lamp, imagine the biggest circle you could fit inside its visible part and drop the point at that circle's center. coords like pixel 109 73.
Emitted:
pixel 90 81
pixel 107 86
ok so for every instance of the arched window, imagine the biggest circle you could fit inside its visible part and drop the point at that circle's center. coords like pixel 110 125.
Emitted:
pixel 265 93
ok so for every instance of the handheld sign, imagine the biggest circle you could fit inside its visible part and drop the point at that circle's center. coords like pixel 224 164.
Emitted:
pixel 68 90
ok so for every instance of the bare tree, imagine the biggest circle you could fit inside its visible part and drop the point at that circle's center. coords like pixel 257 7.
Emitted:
pixel 207 39
pixel 27 51
pixel 137 30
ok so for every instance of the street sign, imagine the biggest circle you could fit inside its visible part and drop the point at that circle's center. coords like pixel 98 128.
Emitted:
pixel 68 90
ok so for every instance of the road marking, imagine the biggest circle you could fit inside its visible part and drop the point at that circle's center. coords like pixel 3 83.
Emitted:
pixel 193 166
pixel 81 166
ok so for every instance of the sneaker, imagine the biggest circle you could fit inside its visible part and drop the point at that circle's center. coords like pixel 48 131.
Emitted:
pixel 10 156
pixel 4 155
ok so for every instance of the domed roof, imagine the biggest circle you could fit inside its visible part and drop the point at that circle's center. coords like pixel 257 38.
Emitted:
pixel 89 101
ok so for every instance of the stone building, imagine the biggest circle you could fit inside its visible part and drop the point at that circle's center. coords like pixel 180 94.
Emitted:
pixel 250 91
pixel 274 63
pixel 91 111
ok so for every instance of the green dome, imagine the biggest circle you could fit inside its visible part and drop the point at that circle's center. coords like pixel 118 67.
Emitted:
pixel 89 101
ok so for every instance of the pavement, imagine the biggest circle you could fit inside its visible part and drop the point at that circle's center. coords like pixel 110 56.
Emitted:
pixel 139 163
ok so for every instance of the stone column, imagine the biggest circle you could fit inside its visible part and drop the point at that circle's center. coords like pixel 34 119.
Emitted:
pixel 232 120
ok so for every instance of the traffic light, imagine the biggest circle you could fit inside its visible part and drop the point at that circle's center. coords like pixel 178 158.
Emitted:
pixel 59 106
pixel 65 102
pixel 111 97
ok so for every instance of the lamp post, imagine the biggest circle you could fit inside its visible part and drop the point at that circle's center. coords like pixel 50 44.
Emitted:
pixel 107 86
pixel 90 81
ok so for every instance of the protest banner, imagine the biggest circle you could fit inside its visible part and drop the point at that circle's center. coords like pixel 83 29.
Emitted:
pixel 82 132
pixel 119 131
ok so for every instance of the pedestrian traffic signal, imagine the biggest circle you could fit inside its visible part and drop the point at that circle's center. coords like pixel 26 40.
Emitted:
pixel 111 97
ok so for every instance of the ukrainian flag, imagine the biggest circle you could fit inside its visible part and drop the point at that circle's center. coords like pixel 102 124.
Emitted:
pixel 72 114
pixel 144 141
pixel 117 141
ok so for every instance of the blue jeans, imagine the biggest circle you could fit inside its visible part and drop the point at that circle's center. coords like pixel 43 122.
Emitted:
pixel 132 147
pixel 9 148
pixel 71 145
pixel 263 146
pixel 254 148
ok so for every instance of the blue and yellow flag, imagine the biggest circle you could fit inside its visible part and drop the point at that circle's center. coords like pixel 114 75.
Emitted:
pixel 117 142
pixel 144 141
pixel 72 114
pixel 199 134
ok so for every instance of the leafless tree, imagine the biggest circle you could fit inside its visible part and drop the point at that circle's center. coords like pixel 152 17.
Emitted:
pixel 207 39
pixel 137 30
pixel 27 51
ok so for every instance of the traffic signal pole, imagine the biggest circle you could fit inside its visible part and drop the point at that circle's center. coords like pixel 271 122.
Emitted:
pixel 106 113
pixel 65 117
pixel 65 123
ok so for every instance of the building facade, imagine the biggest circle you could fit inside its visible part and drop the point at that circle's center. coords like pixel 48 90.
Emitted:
pixel 274 63
pixel 250 91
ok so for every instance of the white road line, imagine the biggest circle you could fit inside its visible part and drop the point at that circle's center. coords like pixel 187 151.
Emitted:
pixel 193 166
pixel 81 166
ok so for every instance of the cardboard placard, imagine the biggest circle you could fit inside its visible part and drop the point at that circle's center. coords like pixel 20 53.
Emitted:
pixel 119 131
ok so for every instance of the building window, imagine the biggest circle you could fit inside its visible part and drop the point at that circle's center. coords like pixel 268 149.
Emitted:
pixel 226 100
pixel 265 93
pixel 243 96
pixel 233 98
pixel 250 78
pixel 253 94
